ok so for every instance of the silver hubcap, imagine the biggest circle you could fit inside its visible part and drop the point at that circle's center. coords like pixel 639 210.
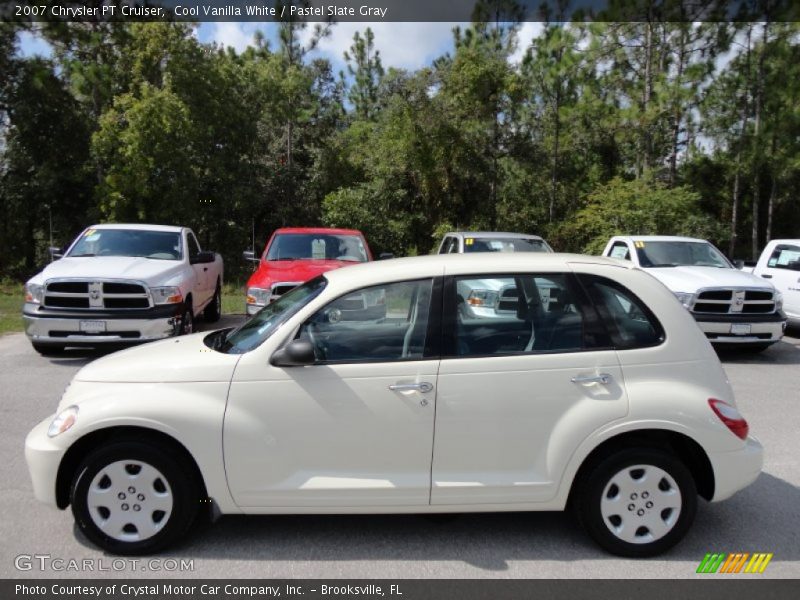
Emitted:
pixel 641 504
pixel 129 500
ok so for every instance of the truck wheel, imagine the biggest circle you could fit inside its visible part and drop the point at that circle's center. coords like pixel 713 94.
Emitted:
pixel 134 498
pixel 48 349
pixel 638 502
pixel 213 311
pixel 187 319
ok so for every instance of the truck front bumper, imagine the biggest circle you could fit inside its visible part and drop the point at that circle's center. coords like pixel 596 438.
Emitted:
pixel 57 328
pixel 727 329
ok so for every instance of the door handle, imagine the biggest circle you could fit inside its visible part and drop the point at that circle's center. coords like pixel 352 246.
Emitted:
pixel 765 276
pixel 603 378
pixel 422 386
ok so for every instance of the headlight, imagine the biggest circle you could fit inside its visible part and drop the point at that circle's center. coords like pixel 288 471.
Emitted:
pixel 258 296
pixel 33 293
pixel 63 421
pixel 778 300
pixel 166 295
pixel 685 298
pixel 487 298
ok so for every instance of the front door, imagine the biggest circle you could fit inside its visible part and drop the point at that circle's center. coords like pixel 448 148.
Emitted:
pixel 354 429
pixel 782 270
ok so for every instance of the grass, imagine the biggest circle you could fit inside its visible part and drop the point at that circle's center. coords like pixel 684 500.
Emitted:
pixel 232 299
pixel 11 299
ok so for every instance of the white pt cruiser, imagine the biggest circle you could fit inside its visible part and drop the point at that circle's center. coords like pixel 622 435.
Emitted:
pixel 607 399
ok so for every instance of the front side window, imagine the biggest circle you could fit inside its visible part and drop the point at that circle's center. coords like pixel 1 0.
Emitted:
pixel 680 254
pixel 512 314
pixel 156 245
pixel 318 246
pixel 254 332
pixel 785 256
pixel 628 320
pixel 376 324
pixel 620 250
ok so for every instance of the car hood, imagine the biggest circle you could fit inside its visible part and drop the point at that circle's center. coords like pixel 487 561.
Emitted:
pixel 691 279
pixel 111 267
pixel 176 360
pixel 295 271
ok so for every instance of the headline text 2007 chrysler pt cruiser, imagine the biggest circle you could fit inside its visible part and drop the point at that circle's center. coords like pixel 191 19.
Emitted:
pixel 596 390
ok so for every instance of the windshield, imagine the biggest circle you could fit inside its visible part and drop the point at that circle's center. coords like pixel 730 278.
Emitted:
pixel 680 254
pixel 159 245
pixel 488 244
pixel 320 246
pixel 252 333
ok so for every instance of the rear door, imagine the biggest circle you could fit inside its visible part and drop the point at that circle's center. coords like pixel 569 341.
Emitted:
pixel 519 388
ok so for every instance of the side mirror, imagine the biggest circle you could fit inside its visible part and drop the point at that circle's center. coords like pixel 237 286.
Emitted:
pixel 249 255
pixel 385 256
pixel 202 258
pixel 297 353
pixel 55 252
pixel 738 264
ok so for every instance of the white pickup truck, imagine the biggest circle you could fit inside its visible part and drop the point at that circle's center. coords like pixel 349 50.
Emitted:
pixel 779 263
pixel 730 306
pixel 120 284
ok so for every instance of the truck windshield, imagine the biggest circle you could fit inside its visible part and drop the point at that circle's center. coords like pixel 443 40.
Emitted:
pixel 254 332
pixel 320 246
pixel 159 245
pixel 488 244
pixel 680 254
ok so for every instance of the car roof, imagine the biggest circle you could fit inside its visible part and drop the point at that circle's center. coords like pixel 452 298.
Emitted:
pixel 417 267
pixel 494 234
pixel 330 230
pixel 658 238
pixel 139 226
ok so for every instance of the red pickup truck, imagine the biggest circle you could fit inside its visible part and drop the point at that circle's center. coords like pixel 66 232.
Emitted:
pixel 294 255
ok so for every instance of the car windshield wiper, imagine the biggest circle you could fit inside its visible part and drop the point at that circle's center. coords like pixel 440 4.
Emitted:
pixel 81 255
pixel 284 258
pixel 659 265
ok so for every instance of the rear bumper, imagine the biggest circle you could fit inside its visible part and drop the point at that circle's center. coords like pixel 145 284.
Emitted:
pixel 59 328
pixel 764 329
pixel 736 470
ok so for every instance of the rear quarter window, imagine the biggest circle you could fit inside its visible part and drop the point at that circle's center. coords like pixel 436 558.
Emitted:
pixel 629 321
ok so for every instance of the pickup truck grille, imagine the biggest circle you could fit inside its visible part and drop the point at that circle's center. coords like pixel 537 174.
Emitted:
pixel 96 295
pixel 734 301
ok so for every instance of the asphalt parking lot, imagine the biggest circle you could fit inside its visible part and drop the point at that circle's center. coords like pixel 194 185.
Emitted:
pixel 763 518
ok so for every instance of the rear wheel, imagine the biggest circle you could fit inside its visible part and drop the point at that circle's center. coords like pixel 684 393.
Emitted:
pixel 637 502
pixel 48 349
pixel 134 498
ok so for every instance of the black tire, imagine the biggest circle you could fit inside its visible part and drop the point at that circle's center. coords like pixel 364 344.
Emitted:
pixel 187 318
pixel 213 311
pixel 596 483
pixel 48 349
pixel 181 485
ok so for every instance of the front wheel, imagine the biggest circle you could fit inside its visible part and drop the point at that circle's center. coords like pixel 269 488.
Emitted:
pixel 213 311
pixel 134 498
pixel 187 319
pixel 637 502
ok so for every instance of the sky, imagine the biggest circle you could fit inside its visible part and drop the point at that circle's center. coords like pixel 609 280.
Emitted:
pixel 402 45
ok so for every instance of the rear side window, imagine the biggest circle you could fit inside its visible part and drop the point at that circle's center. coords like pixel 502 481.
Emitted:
pixel 495 315
pixel 630 323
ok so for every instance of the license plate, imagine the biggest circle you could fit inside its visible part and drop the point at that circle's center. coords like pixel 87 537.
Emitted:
pixel 93 326
pixel 740 329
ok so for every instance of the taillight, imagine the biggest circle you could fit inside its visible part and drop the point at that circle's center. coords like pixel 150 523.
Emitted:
pixel 731 417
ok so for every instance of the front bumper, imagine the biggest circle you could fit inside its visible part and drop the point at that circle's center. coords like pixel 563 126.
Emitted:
pixel 63 328
pixel 736 470
pixel 43 456
pixel 764 329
